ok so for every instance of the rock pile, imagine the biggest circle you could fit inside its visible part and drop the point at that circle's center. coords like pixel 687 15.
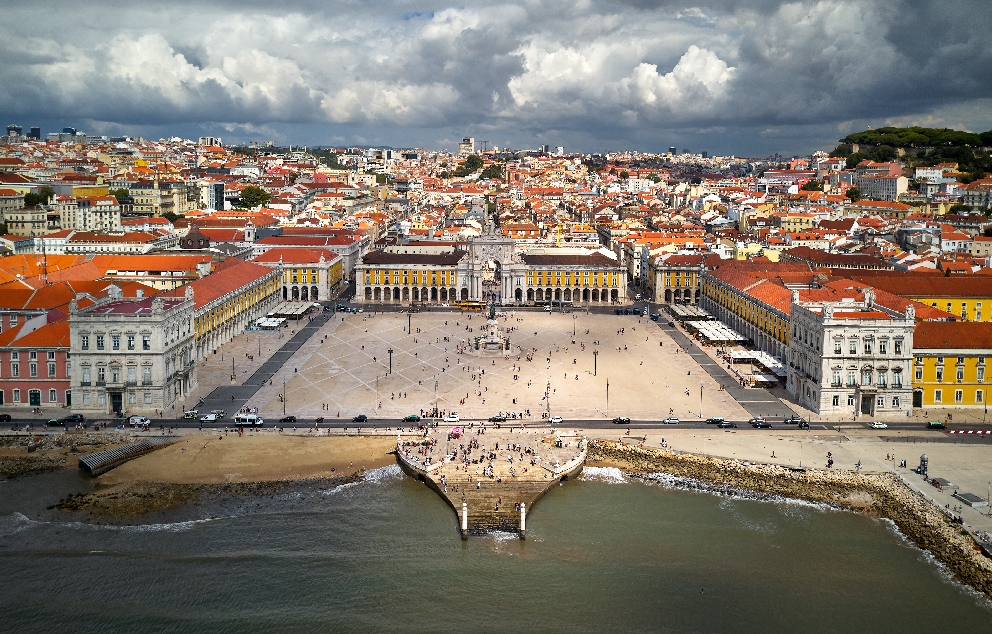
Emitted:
pixel 878 495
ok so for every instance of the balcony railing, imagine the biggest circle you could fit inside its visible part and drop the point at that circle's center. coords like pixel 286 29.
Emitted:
pixel 84 383
pixel 101 383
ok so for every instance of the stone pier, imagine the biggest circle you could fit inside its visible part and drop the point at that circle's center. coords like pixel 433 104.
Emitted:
pixel 493 475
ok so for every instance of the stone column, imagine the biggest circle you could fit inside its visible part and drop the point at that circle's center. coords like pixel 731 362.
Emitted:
pixel 523 521
pixel 464 520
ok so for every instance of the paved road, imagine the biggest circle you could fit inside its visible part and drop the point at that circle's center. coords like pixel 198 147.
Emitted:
pixel 756 401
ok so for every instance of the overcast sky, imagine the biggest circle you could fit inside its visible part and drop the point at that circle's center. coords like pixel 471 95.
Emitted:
pixel 749 78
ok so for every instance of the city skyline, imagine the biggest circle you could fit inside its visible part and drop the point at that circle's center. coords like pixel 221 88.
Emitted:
pixel 749 80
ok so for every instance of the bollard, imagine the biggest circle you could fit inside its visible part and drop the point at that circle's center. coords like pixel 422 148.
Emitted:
pixel 464 520
pixel 523 521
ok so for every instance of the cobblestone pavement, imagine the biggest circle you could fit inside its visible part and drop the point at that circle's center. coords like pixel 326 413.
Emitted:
pixel 348 372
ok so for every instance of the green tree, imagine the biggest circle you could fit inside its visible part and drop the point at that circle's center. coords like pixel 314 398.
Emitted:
pixel 252 196
pixel 120 194
pixel 624 175
pixel 958 207
pixel 854 194
pixel 172 216
pixel 812 185
pixel 380 179
pixel 46 193
pixel 493 171
pixel 471 165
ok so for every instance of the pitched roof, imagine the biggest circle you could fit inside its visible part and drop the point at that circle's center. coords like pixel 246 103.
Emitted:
pixel 441 259
pixel 956 335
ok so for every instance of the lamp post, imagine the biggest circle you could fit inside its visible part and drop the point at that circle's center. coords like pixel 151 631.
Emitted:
pixel 547 398
pixel 700 400
pixel 574 317
pixel 390 351
pixel 284 397
pixel 409 317
pixel 595 356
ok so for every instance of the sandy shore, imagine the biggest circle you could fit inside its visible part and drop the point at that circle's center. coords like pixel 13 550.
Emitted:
pixel 219 458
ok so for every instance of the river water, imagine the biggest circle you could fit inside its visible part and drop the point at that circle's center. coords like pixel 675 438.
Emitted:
pixel 383 555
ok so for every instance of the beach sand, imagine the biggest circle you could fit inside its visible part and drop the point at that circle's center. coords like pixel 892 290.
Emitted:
pixel 222 458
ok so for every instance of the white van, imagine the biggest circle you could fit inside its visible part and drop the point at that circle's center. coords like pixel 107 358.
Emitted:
pixel 249 420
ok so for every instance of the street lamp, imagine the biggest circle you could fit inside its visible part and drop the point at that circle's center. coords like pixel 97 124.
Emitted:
pixel 574 317
pixel 595 356
pixel 390 351
pixel 284 397
pixel 409 316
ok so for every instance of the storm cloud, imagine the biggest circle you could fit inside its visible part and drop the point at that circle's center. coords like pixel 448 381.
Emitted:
pixel 742 77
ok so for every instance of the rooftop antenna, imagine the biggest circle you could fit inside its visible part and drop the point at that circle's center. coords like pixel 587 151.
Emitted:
pixel 485 145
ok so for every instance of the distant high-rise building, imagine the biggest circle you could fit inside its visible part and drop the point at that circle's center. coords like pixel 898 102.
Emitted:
pixel 14 130
pixel 35 133
pixel 68 130
pixel 467 146
pixel 559 151
pixel 673 150
pixel 706 154
pixel 209 141
pixel 685 151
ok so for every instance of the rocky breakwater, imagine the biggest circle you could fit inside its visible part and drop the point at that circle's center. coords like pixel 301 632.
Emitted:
pixel 877 495
pixel 24 454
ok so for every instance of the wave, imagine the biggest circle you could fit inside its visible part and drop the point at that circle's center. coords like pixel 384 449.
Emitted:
pixel 383 475
pixel 17 522
pixel 610 475
pixel 669 481
pixel 14 523
pixel 942 570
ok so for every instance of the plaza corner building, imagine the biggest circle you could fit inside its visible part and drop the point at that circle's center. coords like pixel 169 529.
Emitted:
pixel 949 364
pixel 489 267
pixel 134 355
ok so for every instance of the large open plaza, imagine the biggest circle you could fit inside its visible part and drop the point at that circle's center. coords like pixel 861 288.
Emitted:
pixel 611 366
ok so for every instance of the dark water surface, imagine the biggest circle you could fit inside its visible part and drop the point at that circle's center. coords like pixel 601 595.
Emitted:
pixel 383 555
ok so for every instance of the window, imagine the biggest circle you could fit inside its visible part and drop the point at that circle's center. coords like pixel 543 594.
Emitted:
pixel 132 398
pixel 51 369
pixel 866 377
pixel 101 398
pixel 146 377
pixel 101 375
pixel 898 346
pixel 919 374
pixel 84 342
pixel 836 401
pixel 980 374
pixel 979 396
pixel 130 342
pixel 867 347
pixel 852 378
pixel 15 369
pixel 146 342
pixel 940 374
pixel 17 395
pixel 940 360
pixel 836 380
pixel 938 396
pixel 148 398
pixel 958 396
pixel 836 347
pixel 881 401
pixel 51 355
pixel 895 401
pixel 853 347
pixel 53 396
pixel 960 374
pixel 896 379
pixel 883 347
pixel 882 379
pixel 115 342
pixel 86 376
pixel 132 375
pixel 13 320
pixel 86 398
pixel 850 400
pixel 960 360
pixel 33 369
pixel 99 342
pixel 115 374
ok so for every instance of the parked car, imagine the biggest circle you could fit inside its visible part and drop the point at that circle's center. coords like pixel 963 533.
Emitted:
pixel 249 420
pixel 714 420
pixel 671 420
pixel 936 424
pixel 412 418
pixel 209 418
pixel 762 425
pixel 361 418
pixel 4 418
pixel 621 420
pixel 451 418
pixel 73 419
pixel 655 316
pixel 53 421
pixel 755 421
pixel 287 419
pixel 556 420
pixel 725 424
pixel 498 418
pixel 793 420
pixel 191 414
pixel 672 324
pixel 878 425
pixel 138 421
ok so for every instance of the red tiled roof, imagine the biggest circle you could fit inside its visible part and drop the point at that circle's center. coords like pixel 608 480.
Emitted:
pixel 958 335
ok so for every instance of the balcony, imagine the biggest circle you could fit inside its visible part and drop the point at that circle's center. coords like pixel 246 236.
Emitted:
pixel 101 383
pixel 146 383
pixel 84 383
pixel 131 383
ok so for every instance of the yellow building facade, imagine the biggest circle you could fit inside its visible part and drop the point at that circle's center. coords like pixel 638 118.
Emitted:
pixel 950 364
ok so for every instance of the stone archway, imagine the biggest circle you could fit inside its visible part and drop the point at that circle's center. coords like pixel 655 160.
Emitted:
pixel 444 294
pixel 434 294
pixel 585 294
pixel 464 294
pixel 518 294
pixel 595 294
pixel 377 294
pixel 296 293
pixel 368 293
pixel 530 294
pixel 304 293
pixel 406 293
pixel 396 294
pixel 313 294
pixel 614 296
pixel 567 295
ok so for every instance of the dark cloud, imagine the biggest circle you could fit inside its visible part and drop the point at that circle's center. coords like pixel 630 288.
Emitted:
pixel 744 77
